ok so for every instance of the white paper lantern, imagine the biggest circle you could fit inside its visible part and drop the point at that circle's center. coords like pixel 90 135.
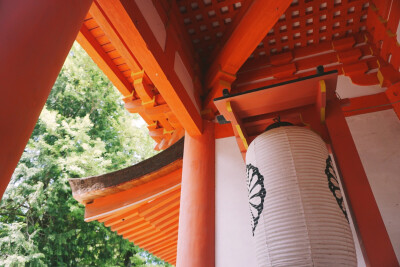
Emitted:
pixel 297 210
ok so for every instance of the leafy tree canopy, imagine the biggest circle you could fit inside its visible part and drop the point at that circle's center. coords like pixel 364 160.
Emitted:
pixel 83 130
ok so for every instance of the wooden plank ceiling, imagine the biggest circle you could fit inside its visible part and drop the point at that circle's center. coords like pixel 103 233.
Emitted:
pixel 336 34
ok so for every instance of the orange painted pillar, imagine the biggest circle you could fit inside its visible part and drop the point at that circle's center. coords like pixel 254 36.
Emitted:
pixel 196 235
pixel 374 239
pixel 36 37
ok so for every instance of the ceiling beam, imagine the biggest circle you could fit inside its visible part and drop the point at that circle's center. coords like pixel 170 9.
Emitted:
pixel 260 17
pixel 349 57
pixel 158 50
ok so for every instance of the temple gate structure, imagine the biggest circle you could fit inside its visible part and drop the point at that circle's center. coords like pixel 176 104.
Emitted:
pixel 208 76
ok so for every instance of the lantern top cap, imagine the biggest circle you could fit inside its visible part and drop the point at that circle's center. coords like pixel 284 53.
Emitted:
pixel 278 123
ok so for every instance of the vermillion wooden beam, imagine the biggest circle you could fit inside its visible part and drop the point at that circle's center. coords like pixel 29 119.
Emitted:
pixel 36 39
pixel 253 27
pixel 393 94
pixel 156 50
pixel 163 249
pixel 171 259
pixel 140 238
pixel 137 236
pixel 162 212
pixel 366 104
pixel 166 248
pixel 100 57
pixel 120 219
pixel 168 200
pixel 164 237
pixel 223 130
pixel 167 223
pixel 173 212
pixel 112 33
pixel 374 239
pixel 342 56
pixel 131 226
pixel 171 242
pixel 168 252
pixel 145 229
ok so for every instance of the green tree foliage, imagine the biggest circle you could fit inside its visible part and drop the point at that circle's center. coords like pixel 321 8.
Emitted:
pixel 83 130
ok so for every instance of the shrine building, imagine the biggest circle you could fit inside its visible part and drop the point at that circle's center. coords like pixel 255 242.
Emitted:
pixel 277 123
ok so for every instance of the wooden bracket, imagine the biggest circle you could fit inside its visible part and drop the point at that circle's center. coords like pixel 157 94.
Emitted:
pixel 143 89
pixel 238 129
pixel 223 80
pixel 320 102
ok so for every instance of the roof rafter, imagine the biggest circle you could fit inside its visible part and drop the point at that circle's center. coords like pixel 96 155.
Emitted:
pixel 122 202
pixel 250 30
pixel 155 46
pixel 93 48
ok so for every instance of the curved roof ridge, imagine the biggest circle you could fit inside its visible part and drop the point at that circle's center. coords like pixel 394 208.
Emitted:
pixel 86 189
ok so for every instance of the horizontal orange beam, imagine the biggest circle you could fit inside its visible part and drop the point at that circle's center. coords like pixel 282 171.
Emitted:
pixel 352 62
pixel 366 104
pixel 350 107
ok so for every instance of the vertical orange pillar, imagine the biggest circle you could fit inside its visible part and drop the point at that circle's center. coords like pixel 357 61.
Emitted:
pixel 36 37
pixel 375 242
pixel 196 235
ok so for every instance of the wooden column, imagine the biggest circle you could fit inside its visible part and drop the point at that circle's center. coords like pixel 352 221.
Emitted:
pixel 196 235
pixel 36 37
pixel 375 242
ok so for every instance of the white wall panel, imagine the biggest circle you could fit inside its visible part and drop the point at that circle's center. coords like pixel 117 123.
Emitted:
pixel 377 138
pixel 234 246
